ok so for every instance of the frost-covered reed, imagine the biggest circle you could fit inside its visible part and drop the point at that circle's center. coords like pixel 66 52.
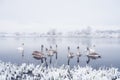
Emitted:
pixel 25 71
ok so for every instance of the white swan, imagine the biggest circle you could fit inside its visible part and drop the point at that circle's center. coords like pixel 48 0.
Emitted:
pixel 49 52
pixel 70 54
pixel 92 53
pixel 52 50
pixel 92 49
pixel 21 48
pixel 78 52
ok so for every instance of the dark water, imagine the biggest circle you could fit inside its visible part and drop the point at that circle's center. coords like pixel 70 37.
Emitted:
pixel 108 48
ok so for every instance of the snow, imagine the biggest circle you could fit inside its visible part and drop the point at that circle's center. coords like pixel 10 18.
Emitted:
pixel 25 71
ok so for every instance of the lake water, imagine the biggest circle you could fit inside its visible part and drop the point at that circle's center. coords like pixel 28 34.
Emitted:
pixel 108 48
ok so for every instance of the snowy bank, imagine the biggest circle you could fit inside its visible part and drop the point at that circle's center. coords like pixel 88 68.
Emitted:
pixel 10 71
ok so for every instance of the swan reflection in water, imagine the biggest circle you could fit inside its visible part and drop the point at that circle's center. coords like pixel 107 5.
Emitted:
pixel 22 53
pixel 92 58
pixel 43 60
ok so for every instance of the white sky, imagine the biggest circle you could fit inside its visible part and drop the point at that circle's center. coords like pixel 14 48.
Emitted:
pixel 64 15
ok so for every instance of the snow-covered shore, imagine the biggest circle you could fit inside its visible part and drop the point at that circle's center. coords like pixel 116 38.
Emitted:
pixel 10 71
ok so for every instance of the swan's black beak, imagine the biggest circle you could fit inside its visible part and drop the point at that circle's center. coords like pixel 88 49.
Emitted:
pixel 99 56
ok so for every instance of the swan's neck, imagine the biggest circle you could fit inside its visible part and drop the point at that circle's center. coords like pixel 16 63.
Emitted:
pixel 22 45
pixel 41 49
pixel 50 49
pixel 68 51
pixel 93 47
pixel 88 52
pixel 56 48
pixel 78 50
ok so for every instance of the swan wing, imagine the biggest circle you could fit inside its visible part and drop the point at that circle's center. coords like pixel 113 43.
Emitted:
pixel 20 48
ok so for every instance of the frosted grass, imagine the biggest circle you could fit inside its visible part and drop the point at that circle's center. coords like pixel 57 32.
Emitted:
pixel 25 71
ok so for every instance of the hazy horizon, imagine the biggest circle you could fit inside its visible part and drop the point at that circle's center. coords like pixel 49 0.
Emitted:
pixel 63 15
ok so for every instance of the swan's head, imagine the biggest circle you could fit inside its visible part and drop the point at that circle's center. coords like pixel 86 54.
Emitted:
pixel 22 43
pixel 50 47
pixel 99 56
pixel 56 45
pixel 78 47
pixel 45 58
pixel 68 47
pixel 87 48
pixel 42 46
pixel 46 49
pixel 94 45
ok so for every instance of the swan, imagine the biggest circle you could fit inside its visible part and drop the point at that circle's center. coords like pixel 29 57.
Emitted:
pixel 52 50
pixel 91 53
pixel 49 52
pixel 92 49
pixel 38 52
pixel 39 55
pixel 78 52
pixel 21 47
pixel 70 54
pixel 92 57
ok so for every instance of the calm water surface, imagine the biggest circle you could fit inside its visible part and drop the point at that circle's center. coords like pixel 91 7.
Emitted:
pixel 108 48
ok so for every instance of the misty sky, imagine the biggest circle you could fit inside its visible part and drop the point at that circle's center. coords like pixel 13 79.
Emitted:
pixel 64 15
